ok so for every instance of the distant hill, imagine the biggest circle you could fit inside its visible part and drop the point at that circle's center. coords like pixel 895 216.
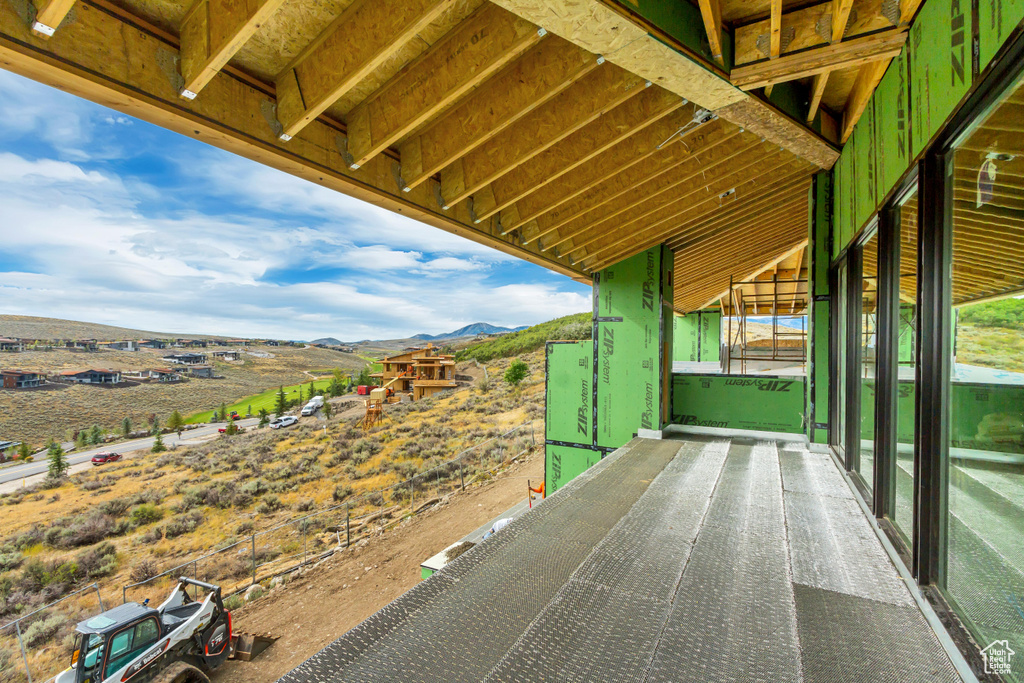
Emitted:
pixel 31 327
pixel 469 331
pixel 328 341
pixel 524 340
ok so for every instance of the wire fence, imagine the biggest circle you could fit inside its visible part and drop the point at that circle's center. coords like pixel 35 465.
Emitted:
pixel 271 552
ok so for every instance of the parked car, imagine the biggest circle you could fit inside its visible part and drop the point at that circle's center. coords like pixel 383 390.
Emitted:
pixel 286 421
pixel 101 458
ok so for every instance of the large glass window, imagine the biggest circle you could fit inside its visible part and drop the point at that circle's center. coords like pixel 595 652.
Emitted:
pixel 985 567
pixel 868 341
pixel 906 343
pixel 840 337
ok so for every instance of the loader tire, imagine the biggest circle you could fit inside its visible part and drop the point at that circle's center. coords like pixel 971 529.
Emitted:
pixel 181 672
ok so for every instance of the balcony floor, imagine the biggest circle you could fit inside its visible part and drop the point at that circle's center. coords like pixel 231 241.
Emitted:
pixel 690 560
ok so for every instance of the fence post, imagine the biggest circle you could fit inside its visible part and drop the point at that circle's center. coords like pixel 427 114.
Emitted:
pixel 462 479
pixel 21 644
pixel 124 594
pixel 99 598
pixel 533 435
pixel 303 544
pixel 348 529
pixel 412 494
pixel 254 559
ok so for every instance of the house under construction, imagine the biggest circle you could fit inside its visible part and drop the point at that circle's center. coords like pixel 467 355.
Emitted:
pixel 420 372
pixel 860 519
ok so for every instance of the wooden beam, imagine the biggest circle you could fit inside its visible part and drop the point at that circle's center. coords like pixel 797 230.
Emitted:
pixel 840 17
pixel 775 30
pixel 580 148
pixel 623 156
pixel 844 55
pixel 817 90
pixel 123 73
pixel 345 53
pixel 806 28
pixel 667 219
pixel 581 103
pixel 711 12
pixel 666 163
pixel 212 32
pixel 49 14
pixel 472 52
pixel 536 77
pixel 655 201
pixel 867 80
pixel 788 249
pixel 648 193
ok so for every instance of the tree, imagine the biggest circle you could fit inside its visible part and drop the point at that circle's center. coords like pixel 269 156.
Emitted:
pixel 24 451
pixel 223 412
pixel 176 422
pixel 364 376
pixel 516 372
pixel 81 440
pixel 158 444
pixel 232 429
pixel 264 418
pixel 327 410
pixel 281 402
pixel 126 427
pixel 58 464
pixel 95 435
pixel 248 410
pixel 156 425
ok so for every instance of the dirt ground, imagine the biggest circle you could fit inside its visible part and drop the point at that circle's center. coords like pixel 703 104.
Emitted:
pixel 312 610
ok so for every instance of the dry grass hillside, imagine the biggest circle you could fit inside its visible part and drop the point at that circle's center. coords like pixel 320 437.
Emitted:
pixel 31 327
pixel 37 415
pixel 130 520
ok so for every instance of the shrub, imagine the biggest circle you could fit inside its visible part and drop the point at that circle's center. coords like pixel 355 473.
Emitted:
pixel 183 524
pixel 233 602
pixel 147 513
pixel 98 561
pixel 341 492
pixel 42 630
pixel 269 503
pixel 244 529
pixel 143 571
pixel 516 372
pixel 304 505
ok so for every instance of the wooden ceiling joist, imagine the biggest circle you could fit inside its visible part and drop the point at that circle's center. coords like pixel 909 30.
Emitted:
pixel 711 13
pixel 579 148
pixel 667 203
pixel 581 103
pixel 337 61
pixel 212 32
pixel 844 55
pixel 867 80
pixel 663 186
pixel 738 232
pixel 49 15
pixel 623 156
pixel 743 271
pixel 666 222
pixel 695 232
pixel 529 82
pixel 475 50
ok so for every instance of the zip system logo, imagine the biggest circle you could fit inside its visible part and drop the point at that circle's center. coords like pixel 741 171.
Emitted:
pixel 957 48
pixel 648 287
pixel 584 410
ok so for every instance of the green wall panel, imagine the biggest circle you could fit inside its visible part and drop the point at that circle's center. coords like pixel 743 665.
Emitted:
pixel 864 154
pixel 682 21
pixel 996 21
pixel 570 392
pixel 892 127
pixel 629 350
pixel 773 404
pixel 940 65
pixel 564 463
pixel 697 336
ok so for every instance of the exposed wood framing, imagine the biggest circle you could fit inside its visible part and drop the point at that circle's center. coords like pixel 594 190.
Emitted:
pixel 226 116
pixel 536 77
pixel 470 54
pixel 594 26
pixel 867 80
pixel 818 84
pixel 844 55
pixel 212 32
pixel 49 15
pixel 711 12
pixel 581 103
pixel 751 271
pixel 775 30
pixel 355 44
pixel 578 149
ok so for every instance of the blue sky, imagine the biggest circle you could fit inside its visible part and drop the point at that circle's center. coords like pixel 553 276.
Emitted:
pixel 109 219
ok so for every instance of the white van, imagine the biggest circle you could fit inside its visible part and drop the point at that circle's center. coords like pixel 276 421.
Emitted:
pixel 315 404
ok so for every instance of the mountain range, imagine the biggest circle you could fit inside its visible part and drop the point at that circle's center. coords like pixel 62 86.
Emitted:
pixel 469 331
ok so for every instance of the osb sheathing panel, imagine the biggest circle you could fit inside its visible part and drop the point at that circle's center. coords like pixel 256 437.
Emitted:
pixel 773 126
pixel 840 83
pixel 165 14
pixel 745 11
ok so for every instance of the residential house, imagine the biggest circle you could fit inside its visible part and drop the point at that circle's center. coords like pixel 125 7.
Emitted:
pixel 187 358
pixel 12 345
pixel 420 371
pixel 237 342
pixel 153 344
pixel 19 379
pixel 164 375
pixel 91 376
pixel 205 371
pixel 227 355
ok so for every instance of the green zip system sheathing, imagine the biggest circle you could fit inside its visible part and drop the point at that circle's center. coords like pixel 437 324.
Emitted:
pixel 818 309
pixel 697 337
pixel 766 404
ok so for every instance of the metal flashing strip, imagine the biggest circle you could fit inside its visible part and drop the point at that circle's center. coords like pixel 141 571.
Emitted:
pixel 725 433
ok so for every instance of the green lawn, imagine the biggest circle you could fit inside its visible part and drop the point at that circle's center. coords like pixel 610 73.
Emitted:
pixel 267 399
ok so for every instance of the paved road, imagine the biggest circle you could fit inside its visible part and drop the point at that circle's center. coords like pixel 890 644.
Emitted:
pixel 77 458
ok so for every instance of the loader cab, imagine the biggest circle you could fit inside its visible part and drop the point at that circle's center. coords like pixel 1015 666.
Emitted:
pixel 107 642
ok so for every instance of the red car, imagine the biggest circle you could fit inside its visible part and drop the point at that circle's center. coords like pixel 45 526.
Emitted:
pixel 101 458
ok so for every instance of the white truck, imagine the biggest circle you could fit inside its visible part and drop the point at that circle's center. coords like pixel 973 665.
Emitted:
pixel 315 404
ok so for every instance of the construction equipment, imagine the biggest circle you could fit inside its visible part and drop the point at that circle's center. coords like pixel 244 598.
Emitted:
pixel 379 397
pixel 178 642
